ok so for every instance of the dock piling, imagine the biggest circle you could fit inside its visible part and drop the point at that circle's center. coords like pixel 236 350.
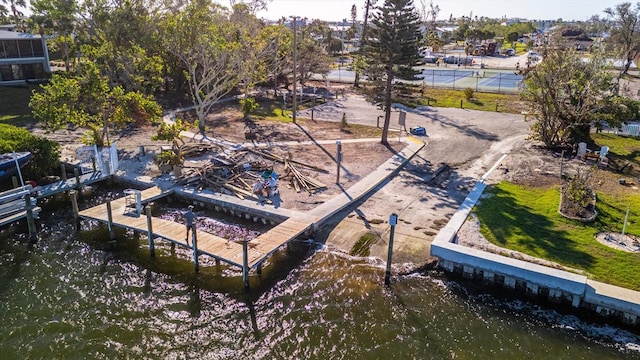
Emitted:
pixel 31 224
pixel 194 239
pixel 393 221
pixel 73 194
pixel 112 235
pixel 63 172
pixel 76 173
pixel 245 264
pixel 152 247
pixel 338 160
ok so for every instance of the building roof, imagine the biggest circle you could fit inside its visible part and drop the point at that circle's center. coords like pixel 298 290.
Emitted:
pixel 12 35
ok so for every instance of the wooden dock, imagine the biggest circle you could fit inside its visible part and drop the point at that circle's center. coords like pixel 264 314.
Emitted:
pixel 246 255
pixel 13 205
pixel 69 184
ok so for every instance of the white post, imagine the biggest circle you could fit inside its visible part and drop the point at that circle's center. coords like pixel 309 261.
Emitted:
pixel 624 226
pixel 15 158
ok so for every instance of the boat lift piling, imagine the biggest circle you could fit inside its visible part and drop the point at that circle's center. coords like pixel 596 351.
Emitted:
pixel 31 224
pixel 112 235
pixel 152 247
pixel 73 194
pixel 76 173
pixel 245 264
pixel 194 240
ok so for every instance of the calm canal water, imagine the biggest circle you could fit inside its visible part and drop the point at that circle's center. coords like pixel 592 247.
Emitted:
pixel 77 296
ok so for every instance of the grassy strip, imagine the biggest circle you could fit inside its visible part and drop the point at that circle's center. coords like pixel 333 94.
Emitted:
pixel 507 103
pixel 622 147
pixel 15 105
pixel 526 220
pixel 414 96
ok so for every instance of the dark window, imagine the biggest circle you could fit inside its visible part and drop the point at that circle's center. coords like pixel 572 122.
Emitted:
pixel 3 54
pixel 28 71
pixel 25 48
pixel 5 73
pixel 11 48
pixel 38 71
pixel 37 47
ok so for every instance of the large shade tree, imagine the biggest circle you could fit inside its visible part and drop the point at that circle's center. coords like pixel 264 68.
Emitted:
pixel 567 95
pixel 391 50
pixel 259 44
pixel 207 45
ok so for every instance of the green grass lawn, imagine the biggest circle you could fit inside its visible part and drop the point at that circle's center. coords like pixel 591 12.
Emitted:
pixel 507 103
pixel 15 105
pixel 527 220
pixel 481 101
pixel 622 147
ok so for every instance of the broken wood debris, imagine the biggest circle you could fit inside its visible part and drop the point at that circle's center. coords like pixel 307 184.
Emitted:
pixel 235 172
pixel 301 181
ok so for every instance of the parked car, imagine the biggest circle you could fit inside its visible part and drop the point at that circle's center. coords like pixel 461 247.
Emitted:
pixel 510 52
pixel 533 56
pixel 418 131
pixel 429 59
pixel 462 60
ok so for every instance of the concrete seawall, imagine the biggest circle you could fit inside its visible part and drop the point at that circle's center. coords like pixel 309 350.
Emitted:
pixel 533 280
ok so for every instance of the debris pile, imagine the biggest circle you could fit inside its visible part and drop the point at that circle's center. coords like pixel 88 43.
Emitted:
pixel 244 173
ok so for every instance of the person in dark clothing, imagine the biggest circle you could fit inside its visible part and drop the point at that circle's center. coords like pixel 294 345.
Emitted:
pixel 189 220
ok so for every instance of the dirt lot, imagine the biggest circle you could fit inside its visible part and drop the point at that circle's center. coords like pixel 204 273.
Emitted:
pixel 359 159
pixel 461 146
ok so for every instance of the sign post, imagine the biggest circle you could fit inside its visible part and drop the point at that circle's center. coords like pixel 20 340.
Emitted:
pixel 338 159
pixel 393 221
pixel 402 119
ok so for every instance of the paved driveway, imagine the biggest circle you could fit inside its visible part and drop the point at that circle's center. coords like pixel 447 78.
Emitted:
pixel 461 146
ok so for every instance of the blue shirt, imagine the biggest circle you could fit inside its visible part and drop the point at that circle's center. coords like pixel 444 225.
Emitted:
pixel 189 217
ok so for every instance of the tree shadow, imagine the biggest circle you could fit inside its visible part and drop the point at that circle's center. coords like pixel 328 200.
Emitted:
pixel 511 223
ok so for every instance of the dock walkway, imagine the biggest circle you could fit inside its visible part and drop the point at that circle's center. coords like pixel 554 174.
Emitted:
pixel 250 254
pixel 207 244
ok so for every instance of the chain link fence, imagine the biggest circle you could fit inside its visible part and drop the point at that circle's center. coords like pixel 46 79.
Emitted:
pixel 478 80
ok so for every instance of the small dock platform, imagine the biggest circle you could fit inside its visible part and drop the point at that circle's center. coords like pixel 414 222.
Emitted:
pixel 246 255
pixel 69 184
pixel 13 205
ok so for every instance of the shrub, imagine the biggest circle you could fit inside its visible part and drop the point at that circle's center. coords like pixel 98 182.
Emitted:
pixel 46 153
pixel 468 93
pixel 249 105
pixel 169 157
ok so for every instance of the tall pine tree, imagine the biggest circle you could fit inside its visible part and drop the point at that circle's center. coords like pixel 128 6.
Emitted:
pixel 391 50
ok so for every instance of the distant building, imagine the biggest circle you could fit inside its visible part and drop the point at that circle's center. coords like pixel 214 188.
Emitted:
pixel 23 58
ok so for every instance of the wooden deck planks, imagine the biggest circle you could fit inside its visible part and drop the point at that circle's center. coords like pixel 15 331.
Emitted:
pixel 208 244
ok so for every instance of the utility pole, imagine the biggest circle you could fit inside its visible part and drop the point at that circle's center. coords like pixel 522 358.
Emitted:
pixel 295 65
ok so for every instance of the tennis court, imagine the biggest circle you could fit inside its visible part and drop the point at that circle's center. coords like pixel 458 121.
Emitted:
pixel 479 80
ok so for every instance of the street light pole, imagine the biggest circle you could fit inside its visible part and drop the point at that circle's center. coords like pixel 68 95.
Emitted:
pixel 295 55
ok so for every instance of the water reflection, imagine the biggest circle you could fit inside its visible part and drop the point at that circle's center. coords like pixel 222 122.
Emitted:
pixel 79 296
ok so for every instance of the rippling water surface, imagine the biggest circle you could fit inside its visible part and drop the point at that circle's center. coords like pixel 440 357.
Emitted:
pixel 77 296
